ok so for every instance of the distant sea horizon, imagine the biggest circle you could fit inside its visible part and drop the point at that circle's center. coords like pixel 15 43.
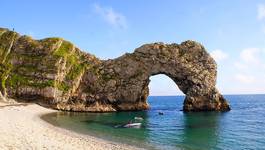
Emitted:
pixel 222 94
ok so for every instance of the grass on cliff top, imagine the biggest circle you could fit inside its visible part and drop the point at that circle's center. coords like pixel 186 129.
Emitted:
pixel 64 50
pixel 50 41
pixel 2 30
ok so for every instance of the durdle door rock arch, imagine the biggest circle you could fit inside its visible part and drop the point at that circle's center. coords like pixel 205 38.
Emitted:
pixel 55 73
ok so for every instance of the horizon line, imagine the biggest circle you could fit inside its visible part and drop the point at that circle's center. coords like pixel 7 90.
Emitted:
pixel 222 94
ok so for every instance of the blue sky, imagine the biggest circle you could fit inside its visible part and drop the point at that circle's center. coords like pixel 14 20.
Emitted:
pixel 232 31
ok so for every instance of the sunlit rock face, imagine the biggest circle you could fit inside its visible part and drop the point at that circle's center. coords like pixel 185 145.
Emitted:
pixel 54 73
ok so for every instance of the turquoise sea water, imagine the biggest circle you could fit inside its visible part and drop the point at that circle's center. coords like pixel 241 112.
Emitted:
pixel 241 128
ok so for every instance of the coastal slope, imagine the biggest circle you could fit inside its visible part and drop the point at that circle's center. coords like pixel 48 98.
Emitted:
pixel 56 74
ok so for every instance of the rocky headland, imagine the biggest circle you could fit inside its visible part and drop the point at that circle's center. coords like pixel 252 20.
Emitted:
pixel 56 74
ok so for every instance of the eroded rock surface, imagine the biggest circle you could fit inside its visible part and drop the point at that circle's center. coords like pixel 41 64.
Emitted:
pixel 55 73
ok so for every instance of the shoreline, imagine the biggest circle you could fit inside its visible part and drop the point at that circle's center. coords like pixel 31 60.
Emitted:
pixel 22 128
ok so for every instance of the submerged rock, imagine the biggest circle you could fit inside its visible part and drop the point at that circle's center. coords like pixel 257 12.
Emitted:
pixel 55 73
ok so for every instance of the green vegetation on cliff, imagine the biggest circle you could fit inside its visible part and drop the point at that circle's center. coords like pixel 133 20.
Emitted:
pixel 74 66
pixel 16 80
pixel 35 63
pixel 7 39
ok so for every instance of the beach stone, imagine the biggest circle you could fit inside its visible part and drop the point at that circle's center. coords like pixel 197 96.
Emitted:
pixel 55 73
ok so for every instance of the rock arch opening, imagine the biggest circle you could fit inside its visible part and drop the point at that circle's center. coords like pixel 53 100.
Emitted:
pixel 164 93
pixel 162 85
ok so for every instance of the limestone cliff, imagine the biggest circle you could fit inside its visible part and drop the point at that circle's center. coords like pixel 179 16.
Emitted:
pixel 55 73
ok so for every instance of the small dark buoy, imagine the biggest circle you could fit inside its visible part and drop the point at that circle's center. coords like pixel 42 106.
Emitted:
pixel 160 113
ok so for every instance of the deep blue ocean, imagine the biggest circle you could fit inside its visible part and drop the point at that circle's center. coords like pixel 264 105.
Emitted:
pixel 241 128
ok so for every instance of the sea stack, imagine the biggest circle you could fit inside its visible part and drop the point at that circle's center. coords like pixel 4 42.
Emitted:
pixel 56 74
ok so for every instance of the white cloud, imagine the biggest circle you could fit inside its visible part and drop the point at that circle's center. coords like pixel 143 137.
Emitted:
pixel 251 58
pixel 249 74
pixel 242 78
pixel 240 66
pixel 251 55
pixel 219 55
pixel 110 16
pixel 251 66
pixel 261 11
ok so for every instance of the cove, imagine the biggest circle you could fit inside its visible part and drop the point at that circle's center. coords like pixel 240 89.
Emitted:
pixel 240 128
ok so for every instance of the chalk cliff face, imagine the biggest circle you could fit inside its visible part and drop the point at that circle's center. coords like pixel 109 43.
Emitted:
pixel 55 73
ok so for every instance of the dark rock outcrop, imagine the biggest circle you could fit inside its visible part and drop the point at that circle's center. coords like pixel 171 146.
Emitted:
pixel 55 73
